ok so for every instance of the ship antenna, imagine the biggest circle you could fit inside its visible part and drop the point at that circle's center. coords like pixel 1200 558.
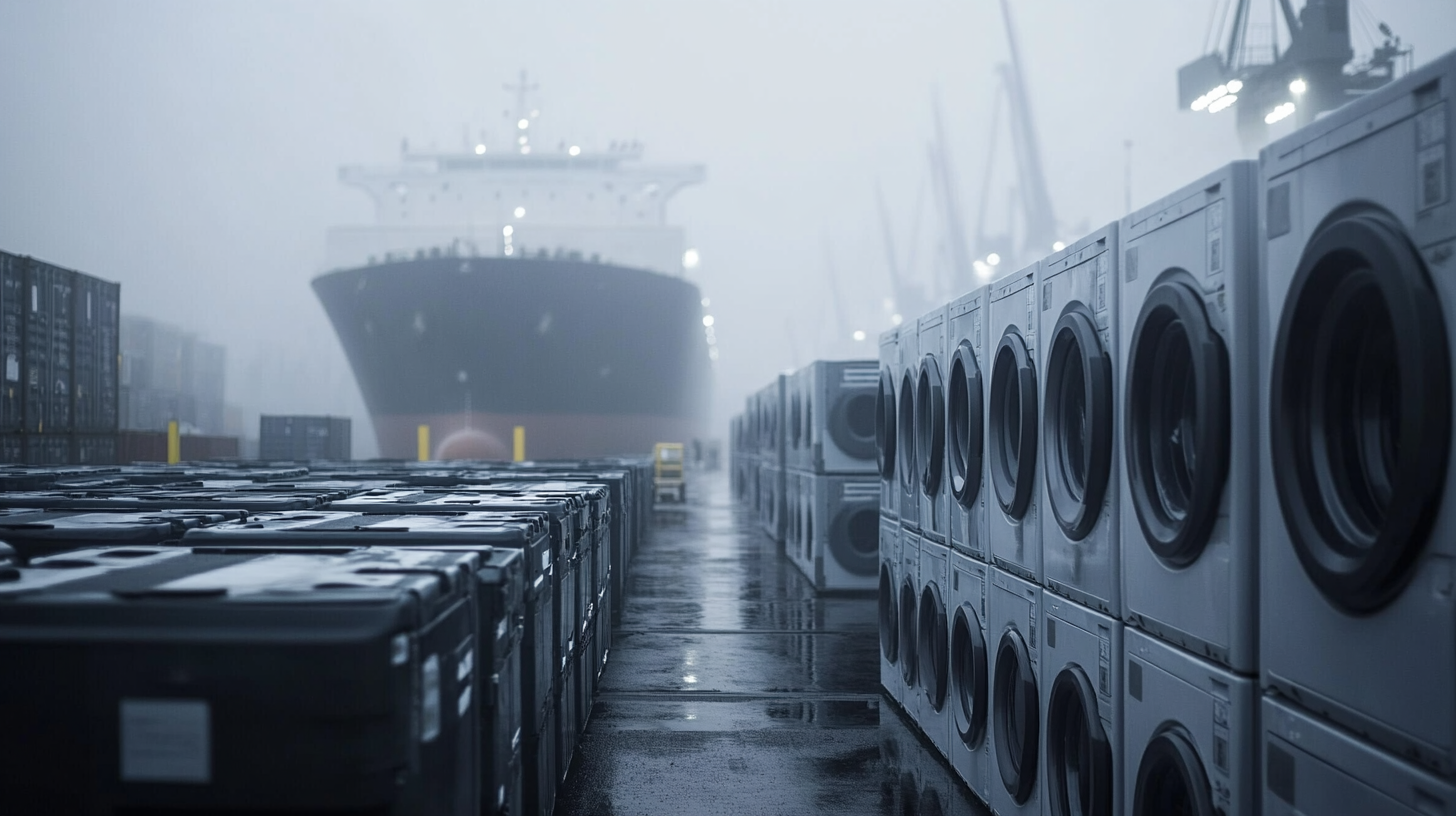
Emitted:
pixel 523 113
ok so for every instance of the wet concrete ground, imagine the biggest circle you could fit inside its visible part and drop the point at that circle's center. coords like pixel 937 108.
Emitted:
pixel 733 688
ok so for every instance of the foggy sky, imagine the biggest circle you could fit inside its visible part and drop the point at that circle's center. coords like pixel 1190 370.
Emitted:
pixel 190 150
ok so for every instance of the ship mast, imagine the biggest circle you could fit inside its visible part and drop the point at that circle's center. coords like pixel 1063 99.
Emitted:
pixel 523 113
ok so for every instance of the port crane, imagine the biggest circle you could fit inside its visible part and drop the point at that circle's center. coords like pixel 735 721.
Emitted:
pixel 1264 84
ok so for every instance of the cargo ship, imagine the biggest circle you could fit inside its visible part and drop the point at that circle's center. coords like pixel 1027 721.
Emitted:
pixel 521 285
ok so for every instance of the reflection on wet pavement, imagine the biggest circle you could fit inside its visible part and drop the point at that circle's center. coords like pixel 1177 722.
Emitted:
pixel 733 688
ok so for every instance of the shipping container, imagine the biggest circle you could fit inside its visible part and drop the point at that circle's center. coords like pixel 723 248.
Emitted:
pixel 12 342
pixel 48 296
pixel 98 328
pixel 304 438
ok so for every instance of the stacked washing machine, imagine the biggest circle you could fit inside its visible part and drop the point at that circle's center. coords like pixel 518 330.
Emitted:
pixel 831 481
pixel 1357 526
pixel 1187 352
pixel 769 410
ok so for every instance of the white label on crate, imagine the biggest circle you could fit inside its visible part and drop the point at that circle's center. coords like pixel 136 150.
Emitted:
pixel 166 741
pixel 430 699
pixel 545 560
pixel 500 630
pixel 12 368
pixel 467 663
pixel 462 705
pixel 399 650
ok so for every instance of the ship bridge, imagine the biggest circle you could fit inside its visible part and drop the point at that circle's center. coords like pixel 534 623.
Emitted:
pixel 608 206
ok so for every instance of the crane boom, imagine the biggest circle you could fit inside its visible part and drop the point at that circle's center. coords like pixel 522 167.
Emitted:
pixel 1041 222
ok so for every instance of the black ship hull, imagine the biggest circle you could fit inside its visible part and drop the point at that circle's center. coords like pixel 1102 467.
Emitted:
pixel 590 359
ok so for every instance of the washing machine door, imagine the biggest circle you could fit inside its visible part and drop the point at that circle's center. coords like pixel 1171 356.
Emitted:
pixel 1077 422
pixel 934 647
pixel 889 615
pixel 1013 424
pixel 885 425
pixel 1176 420
pixel 1360 410
pixel 1016 716
pixel 854 537
pixel 966 431
pixel 968 675
pixel 930 425
pixel 909 472
pixel 1079 754
pixel 851 423
pixel 908 660
pixel 1171 777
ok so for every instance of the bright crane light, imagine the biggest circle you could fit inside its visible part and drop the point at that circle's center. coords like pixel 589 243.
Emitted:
pixel 1234 86
pixel 507 230
pixel 1058 246
pixel 993 259
pixel 691 259
pixel 480 150
pixel 1298 87
pixel 1281 112
pixel 523 124
pixel 1222 103
pixel 707 320
pixel 896 319
pixel 859 336
pixel 520 212
pixel 574 151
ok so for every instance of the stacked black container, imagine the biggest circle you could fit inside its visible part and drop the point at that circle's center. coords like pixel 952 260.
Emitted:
pixel 421 638
pixel 59 332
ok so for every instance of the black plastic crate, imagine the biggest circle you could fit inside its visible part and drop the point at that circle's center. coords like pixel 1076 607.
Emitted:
pixel 195 685
pixel 513 606
pixel 42 533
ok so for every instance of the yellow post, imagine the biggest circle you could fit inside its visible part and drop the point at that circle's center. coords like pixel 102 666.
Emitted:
pixel 520 440
pixel 422 443
pixel 174 443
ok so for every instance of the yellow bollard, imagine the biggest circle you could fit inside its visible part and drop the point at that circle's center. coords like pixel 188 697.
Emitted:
pixel 174 443
pixel 422 443
pixel 520 440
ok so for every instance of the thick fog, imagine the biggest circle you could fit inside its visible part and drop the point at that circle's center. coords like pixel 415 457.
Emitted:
pixel 190 150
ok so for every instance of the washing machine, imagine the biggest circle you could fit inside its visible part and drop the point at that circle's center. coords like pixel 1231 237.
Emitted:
pixel 1313 766
pixel 796 420
pixel 771 414
pixel 798 504
pixel 908 604
pixel 970 678
pixel 839 416
pixel 932 644
pixel 1014 607
pixel 771 511
pixel 1187 309
pixel 907 462
pixel 889 600
pixel 1012 426
pixel 933 481
pixel 1078 326
pixel 887 424
pixel 1359 524
pixel 841 531
pixel 965 411
pixel 1188 737
pixel 1081 703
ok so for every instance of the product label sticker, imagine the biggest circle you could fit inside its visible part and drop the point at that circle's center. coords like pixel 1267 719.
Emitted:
pixel 12 368
pixel 462 704
pixel 166 741
pixel 430 699
pixel 1215 238
pixel 399 650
